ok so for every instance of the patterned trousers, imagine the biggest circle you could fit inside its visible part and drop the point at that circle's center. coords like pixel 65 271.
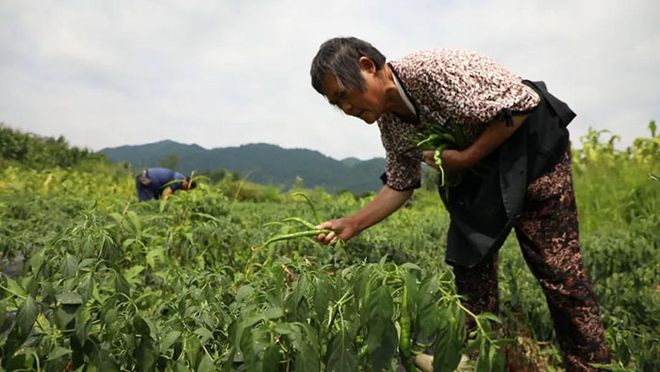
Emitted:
pixel 548 236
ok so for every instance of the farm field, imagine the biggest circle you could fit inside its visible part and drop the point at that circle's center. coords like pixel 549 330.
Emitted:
pixel 189 284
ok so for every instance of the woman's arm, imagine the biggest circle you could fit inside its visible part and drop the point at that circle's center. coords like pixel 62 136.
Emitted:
pixel 386 202
pixel 495 134
pixel 166 193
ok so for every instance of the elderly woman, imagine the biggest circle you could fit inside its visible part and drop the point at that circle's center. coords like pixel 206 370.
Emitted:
pixel 516 135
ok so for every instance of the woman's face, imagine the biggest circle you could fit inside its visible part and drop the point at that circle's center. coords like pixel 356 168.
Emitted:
pixel 366 105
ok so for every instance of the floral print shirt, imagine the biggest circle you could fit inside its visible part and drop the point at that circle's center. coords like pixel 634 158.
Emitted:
pixel 446 86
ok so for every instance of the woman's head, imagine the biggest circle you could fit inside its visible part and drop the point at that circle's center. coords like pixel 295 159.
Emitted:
pixel 350 73
pixel 188 184
pixel 340 57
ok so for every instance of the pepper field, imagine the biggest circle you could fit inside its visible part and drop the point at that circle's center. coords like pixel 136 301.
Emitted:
pixel 189 285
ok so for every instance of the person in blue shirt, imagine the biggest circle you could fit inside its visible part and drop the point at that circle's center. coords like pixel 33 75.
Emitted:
pixel 160 183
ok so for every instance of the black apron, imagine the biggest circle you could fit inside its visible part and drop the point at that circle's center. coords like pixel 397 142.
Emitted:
pixel 486 205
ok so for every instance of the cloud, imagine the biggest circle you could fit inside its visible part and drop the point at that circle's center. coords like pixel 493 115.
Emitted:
pixel 231 72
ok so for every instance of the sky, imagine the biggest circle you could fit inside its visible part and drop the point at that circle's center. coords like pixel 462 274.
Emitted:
pixel 224 73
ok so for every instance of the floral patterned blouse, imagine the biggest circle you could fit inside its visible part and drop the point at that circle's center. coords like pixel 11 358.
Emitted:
pixel 446 86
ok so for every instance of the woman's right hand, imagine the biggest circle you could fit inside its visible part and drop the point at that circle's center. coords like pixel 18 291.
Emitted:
pixel 342 228
pixel 382 205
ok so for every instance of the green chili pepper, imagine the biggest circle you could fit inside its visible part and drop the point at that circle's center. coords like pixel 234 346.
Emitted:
pixel 438 161
pixel 405 347
pixel 295 235
pixel 300 221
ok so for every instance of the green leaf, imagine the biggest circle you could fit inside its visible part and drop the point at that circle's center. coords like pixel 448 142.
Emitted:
pixel 180 366
pixel 271 359
pixel 14 288
pixel 206 364
pixel 489 316
pixel 193 348
pixel 18 362
pixel 307 353
pixel 305 343
pixel 204 334
pixel 483 363
pixel 254 341
pixel 87 262
pixel 25 318
pixel 380 305
pixel 341 354
pixel 428 292
pixel 428 323
pixel 496 359
pixel 30 284
pixel 141 326
pixel 117 217
pixel 146 354
pixel 83 325
pixel 70 266
pixel 324 292
pixel 3 320
pixel 58 352
pixel 244 292
pixel 154 256
pixel 448 344
pixel 69 298
pixel 131 274
pixel 287 329
pixel 122 286
pixel 37 261
pixel 272 313
pixel 381 336
pixel 246 325
pixel 361 282
pixel 410 266
pixel 86 286
pixel 64 316
pixel 135 220
pixel 169 340
pixel 208 217
pixel 301 288
pixel 110 316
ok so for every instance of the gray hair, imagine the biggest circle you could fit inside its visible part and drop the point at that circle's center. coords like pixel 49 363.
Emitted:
pixel 339 57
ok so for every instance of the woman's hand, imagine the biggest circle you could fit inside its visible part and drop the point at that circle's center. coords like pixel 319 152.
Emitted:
pixel 342 228
pixel 453 161
pixel 382 205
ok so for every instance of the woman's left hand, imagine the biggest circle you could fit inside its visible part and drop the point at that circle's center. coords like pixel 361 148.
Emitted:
pixel 453 161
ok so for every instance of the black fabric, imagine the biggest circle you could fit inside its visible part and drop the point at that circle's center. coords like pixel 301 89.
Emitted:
pixel 383 179
pixel 487 203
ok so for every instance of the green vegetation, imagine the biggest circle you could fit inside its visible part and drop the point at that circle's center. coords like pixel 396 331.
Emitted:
pixel 39 152
pixel 189 284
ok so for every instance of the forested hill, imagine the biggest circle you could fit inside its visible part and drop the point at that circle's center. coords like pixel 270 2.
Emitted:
pixel 261 163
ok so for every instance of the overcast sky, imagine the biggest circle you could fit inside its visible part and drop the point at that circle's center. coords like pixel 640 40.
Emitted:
pixel 225 73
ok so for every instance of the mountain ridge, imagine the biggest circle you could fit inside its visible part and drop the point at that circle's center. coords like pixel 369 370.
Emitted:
pixel 259 162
